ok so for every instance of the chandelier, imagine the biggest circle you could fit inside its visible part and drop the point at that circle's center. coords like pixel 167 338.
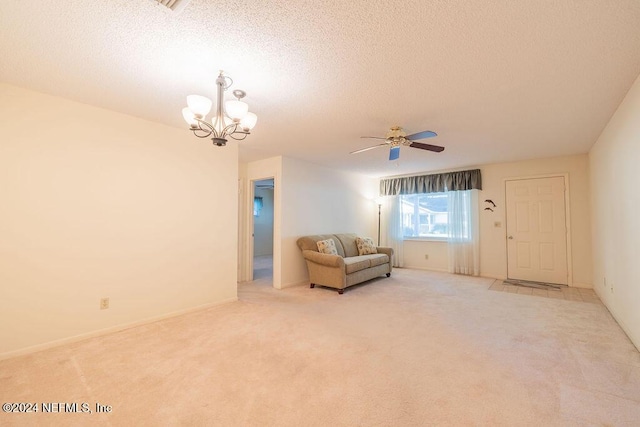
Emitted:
pixel 232 119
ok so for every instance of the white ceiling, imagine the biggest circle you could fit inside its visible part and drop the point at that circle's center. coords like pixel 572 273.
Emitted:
pixel 497 80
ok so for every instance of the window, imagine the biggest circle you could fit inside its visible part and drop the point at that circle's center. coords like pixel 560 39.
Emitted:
pixel 257 206
pixel 426 215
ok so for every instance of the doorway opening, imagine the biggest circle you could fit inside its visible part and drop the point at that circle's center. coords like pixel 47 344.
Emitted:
pixel 262 231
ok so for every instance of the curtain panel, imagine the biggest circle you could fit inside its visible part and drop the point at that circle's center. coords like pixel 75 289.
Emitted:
pixel 394 232
pixel 435 183
pixel 464 234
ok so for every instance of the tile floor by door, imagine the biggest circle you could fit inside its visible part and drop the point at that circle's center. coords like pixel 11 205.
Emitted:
pixel 565 292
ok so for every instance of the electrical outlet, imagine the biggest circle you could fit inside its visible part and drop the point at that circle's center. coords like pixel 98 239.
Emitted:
pixel 104 303
pixel 604 282
pixel 426 256
pixel 611 287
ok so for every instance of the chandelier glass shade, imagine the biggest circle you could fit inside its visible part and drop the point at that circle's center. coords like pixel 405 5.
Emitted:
pixel 232 119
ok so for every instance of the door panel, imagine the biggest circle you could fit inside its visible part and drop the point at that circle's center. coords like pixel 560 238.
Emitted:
pixel 522 217
pixel 524 254
pixel 536 230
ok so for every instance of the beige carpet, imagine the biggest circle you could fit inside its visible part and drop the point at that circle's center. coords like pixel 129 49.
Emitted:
pixel 417 349
pixel 263 269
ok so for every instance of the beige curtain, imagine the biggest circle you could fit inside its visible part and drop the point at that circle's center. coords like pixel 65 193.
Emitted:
pixel 463 239
pixel 393 230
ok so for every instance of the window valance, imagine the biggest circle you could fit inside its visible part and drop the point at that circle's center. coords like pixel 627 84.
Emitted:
pixel 435 183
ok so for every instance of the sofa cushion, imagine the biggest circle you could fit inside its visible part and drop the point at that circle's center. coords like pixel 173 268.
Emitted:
pixel 348 242
pixel 366 246
pixel 356 263
pixel 327 247
pixel 310 243
pixel 378 259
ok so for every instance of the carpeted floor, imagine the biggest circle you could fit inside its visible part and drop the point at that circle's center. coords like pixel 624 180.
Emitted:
pixel 419 348
pixel 263 269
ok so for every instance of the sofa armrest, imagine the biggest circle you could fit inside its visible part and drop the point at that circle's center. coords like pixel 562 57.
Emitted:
pixel 323 259
pixel 384 250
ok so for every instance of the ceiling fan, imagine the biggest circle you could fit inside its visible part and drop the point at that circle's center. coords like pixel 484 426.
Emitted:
pixel 397 137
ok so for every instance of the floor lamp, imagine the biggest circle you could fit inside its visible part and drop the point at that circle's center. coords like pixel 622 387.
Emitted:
pixel 379 202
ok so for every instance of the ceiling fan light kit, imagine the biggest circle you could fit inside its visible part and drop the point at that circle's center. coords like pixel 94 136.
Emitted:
pixel 175 5
pixel 232 119
pixel 397 137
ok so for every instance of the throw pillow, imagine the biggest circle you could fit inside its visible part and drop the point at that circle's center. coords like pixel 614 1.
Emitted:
pixel 366 246
pixel 327 247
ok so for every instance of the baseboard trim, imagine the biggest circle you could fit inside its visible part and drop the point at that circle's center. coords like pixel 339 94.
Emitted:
pixel 623 326
pixel 105 331
pixel 582 285
pixel 493 276
pixel 439 270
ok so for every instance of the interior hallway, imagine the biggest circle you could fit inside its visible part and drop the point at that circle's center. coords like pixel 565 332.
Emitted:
pixel 263 269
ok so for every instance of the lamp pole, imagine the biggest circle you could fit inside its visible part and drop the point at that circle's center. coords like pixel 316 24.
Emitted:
pixel 379 208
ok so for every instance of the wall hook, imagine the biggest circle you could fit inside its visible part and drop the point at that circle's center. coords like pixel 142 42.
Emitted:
pixel 490 201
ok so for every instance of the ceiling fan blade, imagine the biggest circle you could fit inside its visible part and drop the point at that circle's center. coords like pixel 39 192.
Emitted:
pixel 421 135
pixel 429 147
pixel 368 148
pixel 394 153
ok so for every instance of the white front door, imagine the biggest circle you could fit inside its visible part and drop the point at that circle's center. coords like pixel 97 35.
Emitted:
pixel 537 230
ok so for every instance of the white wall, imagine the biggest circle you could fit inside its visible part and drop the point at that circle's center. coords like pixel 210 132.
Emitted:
pixel 263 224
pixel 493 252
pixel 310 199
pixel 98 204
pixel 317 200
pixel 426 255
pixel 615 203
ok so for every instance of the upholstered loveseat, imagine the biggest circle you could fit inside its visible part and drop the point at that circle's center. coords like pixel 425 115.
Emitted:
pixel 347 267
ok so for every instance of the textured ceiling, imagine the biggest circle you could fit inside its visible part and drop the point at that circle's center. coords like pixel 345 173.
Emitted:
pixel 497 80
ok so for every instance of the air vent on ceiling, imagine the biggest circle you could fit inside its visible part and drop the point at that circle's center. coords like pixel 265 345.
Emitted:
pixel 175 5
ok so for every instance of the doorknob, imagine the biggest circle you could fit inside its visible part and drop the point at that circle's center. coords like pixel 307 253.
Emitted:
pixel 510 237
